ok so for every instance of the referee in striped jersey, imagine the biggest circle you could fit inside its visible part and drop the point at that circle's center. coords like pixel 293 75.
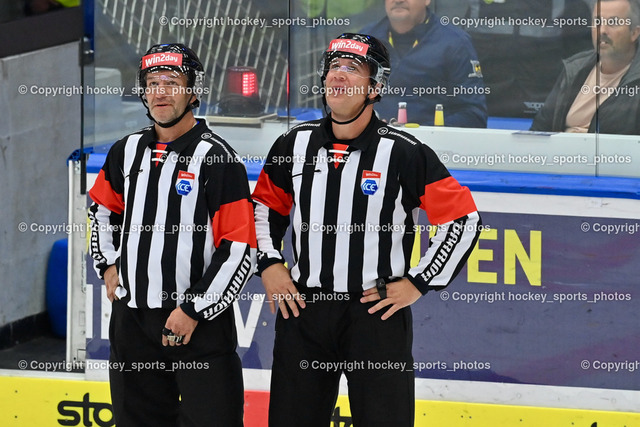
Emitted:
pixel 352 187
pixel 173 236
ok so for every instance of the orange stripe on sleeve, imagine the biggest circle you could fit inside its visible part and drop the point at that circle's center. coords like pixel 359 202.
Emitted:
pixel 446 200
pixel 235 222
pixel 272 196
pixel 103 194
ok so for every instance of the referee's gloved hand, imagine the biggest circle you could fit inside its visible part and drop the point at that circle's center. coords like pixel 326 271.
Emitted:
pixel 281 290
pixel 399 295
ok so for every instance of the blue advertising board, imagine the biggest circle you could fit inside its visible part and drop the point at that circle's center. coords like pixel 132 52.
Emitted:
pixel 544 299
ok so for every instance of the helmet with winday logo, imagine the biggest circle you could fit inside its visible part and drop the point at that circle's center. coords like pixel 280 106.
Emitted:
pixel 174 57
pixel 361 48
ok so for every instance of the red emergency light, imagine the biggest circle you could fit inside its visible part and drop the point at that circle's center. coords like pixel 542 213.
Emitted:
pixel 241 95
pixel 242 81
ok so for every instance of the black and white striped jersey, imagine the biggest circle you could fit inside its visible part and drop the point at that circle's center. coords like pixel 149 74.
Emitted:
pixel 176 220
pixel 355 204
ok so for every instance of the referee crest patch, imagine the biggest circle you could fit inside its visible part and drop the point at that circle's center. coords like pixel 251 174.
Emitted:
pixel 370 182
pixel 184 183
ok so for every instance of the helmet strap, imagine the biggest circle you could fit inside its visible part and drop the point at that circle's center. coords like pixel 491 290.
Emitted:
pixel 173 122
pixel 367 102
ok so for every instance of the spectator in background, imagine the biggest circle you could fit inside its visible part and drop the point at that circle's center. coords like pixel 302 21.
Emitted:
pixel 598 89
pixel 521 45
pixel 433 63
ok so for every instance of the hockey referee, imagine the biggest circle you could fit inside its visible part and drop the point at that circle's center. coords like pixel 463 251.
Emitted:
pixel 173 236
pixel 352 187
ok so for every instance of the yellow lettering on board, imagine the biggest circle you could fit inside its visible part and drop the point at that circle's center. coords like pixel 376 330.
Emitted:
pixel 474 275
pixel 531 263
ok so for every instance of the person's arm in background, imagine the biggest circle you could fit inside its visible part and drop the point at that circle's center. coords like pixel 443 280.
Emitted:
pixel 467 107
pixel 543 121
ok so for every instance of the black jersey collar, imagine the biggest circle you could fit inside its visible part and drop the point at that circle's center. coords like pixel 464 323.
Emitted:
pixel 199 131
pixel 361 142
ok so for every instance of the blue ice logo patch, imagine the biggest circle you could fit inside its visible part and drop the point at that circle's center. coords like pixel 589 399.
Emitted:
pixel 370 182
pixel 184 183
pixel 369 187
pixel 183 187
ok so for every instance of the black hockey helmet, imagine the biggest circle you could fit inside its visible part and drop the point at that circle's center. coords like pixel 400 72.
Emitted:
pixel 173 57
pixel 361 48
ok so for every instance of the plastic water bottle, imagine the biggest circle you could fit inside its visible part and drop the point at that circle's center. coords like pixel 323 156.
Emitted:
pixel 402 113
pixel 438 118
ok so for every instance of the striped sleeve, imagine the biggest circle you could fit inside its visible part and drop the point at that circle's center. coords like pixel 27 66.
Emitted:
pixel 273 201
pixel 451 208
pixel 106 211
pixel 233 228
